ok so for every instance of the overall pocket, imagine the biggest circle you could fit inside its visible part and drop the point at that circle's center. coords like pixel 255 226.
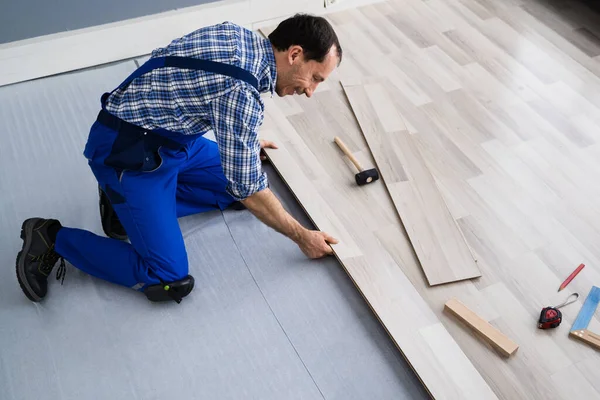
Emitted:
pixel 136 152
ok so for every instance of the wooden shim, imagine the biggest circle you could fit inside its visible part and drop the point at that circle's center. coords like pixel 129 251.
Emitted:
pixel 422 339
pixel 438 242
pixel 482 327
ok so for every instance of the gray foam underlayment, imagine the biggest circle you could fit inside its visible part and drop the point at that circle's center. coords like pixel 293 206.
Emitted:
pixel 263 322
pixel 25 19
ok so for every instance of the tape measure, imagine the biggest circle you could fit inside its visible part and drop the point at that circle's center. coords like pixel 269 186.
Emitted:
pixel 551 317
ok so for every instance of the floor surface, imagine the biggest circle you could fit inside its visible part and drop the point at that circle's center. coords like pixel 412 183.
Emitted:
pixel 264 322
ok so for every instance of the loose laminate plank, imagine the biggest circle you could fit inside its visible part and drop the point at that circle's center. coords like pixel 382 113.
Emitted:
pixel 438 242
pixel 414 328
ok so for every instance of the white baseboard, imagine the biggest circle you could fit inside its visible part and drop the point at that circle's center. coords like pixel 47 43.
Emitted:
pixel 68 51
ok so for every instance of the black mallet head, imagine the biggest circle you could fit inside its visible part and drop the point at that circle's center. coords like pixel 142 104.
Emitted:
pixel 366 176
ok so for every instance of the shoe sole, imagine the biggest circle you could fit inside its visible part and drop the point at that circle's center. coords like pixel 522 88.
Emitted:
pixel 26 234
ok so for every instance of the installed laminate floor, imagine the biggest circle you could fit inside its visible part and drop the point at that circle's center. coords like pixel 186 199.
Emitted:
pixel 438 242
pixel 263 322
pixel 504 99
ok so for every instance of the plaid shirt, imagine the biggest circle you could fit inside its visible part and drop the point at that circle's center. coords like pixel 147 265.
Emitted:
pixel 196 102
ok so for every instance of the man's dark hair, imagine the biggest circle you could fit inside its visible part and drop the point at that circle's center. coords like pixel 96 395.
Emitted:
pixel 314 34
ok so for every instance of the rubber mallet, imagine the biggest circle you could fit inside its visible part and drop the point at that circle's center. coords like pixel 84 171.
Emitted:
pixel 364 176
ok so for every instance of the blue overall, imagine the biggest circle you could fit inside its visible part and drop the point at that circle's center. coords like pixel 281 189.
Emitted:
pixel 152 177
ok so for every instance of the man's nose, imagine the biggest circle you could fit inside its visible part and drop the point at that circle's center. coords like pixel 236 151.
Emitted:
pixel 310 90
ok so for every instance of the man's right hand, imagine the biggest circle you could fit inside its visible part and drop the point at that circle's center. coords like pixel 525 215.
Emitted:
pixel 315 244
pixel 269 210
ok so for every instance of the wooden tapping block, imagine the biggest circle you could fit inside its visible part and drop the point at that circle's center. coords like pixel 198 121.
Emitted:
pixel 482 327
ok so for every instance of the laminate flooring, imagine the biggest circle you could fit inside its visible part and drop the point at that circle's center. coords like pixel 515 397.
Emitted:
pixel 434 234
pixel 503 97
pixel 263 322
pixel 346 211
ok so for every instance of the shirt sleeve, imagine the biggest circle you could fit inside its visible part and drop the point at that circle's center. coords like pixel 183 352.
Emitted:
pixel 236 117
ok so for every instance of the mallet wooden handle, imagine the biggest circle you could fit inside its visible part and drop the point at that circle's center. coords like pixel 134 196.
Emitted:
pixel 346 151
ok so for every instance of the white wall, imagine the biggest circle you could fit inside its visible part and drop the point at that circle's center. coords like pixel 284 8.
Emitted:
pixel 68 51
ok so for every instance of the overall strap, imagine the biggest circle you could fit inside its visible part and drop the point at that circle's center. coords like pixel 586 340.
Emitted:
pixel 189 63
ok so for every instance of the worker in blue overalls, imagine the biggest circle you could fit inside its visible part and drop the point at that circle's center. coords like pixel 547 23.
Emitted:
pixel 153 165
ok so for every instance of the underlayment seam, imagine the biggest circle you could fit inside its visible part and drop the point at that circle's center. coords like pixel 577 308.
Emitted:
pixel 269 305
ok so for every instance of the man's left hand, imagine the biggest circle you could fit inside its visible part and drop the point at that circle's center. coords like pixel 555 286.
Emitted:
pixel 266 144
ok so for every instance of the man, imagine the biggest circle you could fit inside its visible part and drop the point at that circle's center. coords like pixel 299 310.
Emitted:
pixel 153 165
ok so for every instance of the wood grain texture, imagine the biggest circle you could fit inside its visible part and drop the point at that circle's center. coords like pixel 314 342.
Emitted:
pixel 482 327
pixel 434 234
pixel 387 290
pixel 514 152
pixel 587 336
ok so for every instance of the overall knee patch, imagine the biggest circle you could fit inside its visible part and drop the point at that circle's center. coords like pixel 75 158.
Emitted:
pixel 166 291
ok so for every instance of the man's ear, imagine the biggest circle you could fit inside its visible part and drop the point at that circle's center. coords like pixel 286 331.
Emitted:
pixel 294 53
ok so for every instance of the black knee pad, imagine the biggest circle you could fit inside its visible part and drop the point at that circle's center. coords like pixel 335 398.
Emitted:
pixel 167 291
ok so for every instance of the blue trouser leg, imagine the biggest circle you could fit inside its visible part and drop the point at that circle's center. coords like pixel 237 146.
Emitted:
pixel 82 249
pixel 201 183
pixel 147 209
pixel 148 205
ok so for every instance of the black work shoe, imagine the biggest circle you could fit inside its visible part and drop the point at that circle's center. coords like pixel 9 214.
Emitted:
pixel 110 221
pixel 37 258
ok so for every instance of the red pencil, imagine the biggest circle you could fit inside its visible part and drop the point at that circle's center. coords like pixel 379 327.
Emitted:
pixel 570 278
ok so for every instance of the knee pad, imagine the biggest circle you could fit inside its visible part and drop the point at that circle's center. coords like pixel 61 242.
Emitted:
pixel 166 291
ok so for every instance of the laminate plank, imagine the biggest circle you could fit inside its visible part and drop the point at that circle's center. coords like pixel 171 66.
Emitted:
pixel 587 368
pixel 372 269
pixel 374 64
pixel 409 23
pixel 478 9
pixel 525 52
pixel 564 97
pixel 428 81
pixel 443 253
pixel 441 343
pixel 429 15
pixel 586 13
pixel 591 42
pixel 448 155
pixel 465 137
pixel 520 172
pixel 480 119
pixel 574 384
pixel 516 77
pixel 567 168
pixel 562 123
pixel 550 41
pixel 580 37
pixel 498 198
pixel 381 23
pixel 409 28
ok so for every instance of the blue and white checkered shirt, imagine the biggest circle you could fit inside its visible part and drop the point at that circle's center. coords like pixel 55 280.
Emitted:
pixel 196 102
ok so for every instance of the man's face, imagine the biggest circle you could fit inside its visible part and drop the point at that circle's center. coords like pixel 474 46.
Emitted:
pixel 298 76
